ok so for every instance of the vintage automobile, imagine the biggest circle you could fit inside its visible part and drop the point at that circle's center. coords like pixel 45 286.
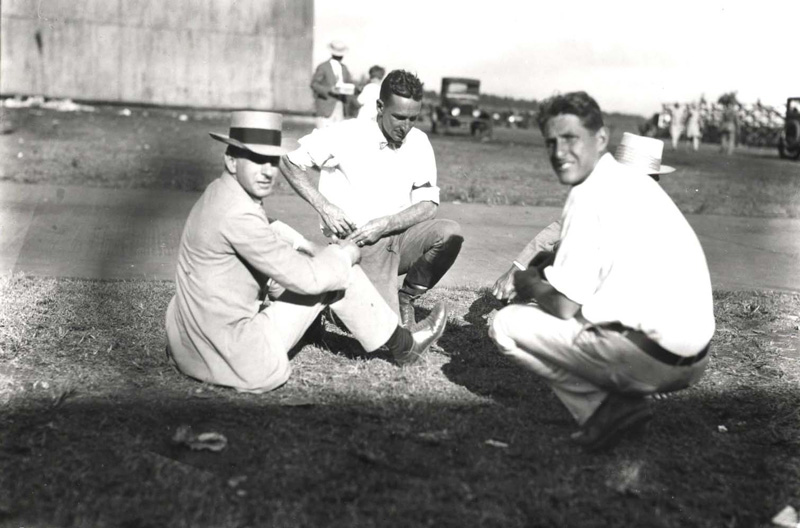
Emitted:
pixel 458 109
pixel 789 142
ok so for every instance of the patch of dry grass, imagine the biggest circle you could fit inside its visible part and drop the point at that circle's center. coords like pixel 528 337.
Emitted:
pixel 89 405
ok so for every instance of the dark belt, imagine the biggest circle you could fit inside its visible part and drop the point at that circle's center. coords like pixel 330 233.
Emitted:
pixel 653 349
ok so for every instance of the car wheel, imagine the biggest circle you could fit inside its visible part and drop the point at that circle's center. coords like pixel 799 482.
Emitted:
pixel 792 132
pixel 788 152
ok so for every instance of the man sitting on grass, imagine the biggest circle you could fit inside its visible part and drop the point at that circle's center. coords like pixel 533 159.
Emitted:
pixel 247 287
pixel 625 310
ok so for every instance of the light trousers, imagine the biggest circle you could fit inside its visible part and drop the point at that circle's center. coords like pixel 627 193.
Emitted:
pixel 281 325
pixel 336 116
pixel 581 362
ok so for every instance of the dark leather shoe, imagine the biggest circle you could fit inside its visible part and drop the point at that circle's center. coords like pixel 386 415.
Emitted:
pixel 407 316
pixel 617 417
pixel 429 330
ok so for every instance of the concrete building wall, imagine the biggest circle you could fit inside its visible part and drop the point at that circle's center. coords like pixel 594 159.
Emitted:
pixel 207 53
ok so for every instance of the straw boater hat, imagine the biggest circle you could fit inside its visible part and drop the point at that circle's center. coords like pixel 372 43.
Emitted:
pixel 338 48
pixel 642 153
pixel 258 132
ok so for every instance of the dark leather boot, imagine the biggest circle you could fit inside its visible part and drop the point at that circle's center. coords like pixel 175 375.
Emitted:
pixel 407 315
pixel 429 330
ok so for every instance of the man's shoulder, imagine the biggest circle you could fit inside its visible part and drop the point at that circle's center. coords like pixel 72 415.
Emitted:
pixel 418 137
pixel 224 198
pixel 322 68
pixel 347 130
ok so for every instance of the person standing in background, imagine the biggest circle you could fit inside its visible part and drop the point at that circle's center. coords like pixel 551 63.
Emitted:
pixel 676 125
pixel 693 126
pixel 368 98
pixel 331 85
pixel 728 128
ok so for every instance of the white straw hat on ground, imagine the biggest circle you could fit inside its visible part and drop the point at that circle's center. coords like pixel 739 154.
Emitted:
pixel 642 153
pixel 258 132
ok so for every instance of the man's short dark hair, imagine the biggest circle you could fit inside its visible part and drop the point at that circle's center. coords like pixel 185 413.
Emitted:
pixel 579 104
pixel 377 72
pixel 403 84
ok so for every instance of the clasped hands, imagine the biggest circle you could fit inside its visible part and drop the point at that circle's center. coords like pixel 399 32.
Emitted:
pixel 350 236
pixel 343 228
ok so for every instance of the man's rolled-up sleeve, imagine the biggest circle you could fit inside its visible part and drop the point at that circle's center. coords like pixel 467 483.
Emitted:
pixel 424 188
pixel 314 150
pixel 578 268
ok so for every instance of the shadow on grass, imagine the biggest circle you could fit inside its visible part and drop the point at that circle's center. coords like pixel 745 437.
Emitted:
pixel 109 462
pixel 476 365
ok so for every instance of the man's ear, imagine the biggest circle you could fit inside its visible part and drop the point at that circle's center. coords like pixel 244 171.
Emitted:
pixel 602 136
pixel 379 103
pixel 230 164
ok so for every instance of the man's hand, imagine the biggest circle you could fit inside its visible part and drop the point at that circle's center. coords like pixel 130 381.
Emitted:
pixel 351 250
pixel 370 232
pixel 503 289
pixel 336 220
pixel 525 283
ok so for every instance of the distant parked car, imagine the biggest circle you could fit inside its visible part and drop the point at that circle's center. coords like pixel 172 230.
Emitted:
pixel 459 109
pixel 789 142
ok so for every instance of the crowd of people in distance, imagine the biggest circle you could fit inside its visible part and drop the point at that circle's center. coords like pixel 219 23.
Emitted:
pixel 728 123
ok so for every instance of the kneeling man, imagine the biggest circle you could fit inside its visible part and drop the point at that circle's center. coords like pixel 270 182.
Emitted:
pixel 378 188
pixel 248 287
pixel 625 310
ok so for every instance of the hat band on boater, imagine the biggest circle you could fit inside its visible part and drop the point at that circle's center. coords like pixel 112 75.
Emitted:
pixel 257 136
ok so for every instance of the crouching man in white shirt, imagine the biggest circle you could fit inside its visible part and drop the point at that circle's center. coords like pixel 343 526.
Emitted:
pixel 625 310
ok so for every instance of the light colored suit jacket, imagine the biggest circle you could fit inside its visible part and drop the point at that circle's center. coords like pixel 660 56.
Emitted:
pixel 228 251
pixel 321 83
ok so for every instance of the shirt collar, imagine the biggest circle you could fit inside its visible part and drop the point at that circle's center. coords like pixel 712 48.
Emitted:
pixel 384 143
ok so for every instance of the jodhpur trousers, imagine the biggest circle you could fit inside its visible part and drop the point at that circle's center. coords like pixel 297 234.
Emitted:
pixel 423 253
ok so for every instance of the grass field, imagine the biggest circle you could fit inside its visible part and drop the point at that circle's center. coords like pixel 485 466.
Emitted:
pixel 88 403
pixel 154 149
pixel 465 439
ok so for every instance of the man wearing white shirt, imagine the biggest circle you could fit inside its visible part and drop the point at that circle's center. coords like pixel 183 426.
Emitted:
pixel 368 98
pixel 625 310
pixel 378 188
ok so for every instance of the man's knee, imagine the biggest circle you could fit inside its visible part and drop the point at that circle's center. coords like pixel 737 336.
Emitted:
pixel 498 331
pixel 449 230
pixel 270 376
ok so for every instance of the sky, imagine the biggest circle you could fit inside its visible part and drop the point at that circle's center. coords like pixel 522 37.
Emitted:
pixel 630 55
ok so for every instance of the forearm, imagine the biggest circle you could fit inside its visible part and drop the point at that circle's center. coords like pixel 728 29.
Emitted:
pixel 300 181
pixel 554 302
pixel 545 240
pixel 410 216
